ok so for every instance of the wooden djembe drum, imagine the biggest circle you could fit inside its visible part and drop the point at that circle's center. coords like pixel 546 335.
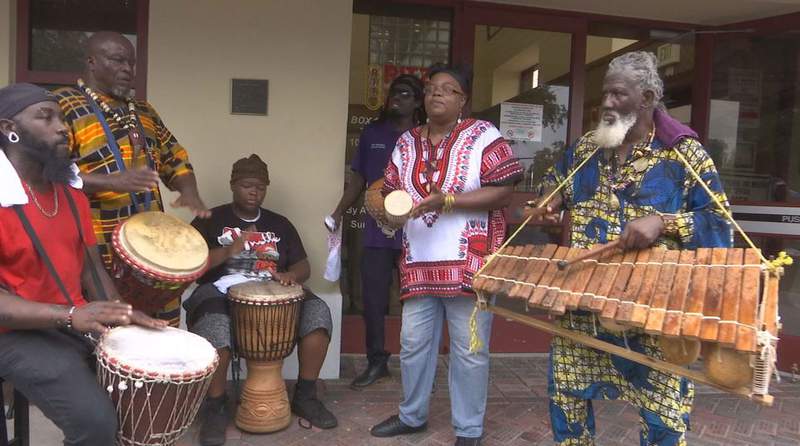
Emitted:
pixel 265 316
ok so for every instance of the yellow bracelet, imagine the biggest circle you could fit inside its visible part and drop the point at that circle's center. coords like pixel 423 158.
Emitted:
pixel 449 201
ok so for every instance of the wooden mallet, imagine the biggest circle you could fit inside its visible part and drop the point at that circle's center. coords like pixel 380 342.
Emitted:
pixel 563 264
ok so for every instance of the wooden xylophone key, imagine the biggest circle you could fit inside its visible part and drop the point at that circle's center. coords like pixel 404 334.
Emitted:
pixel 550 300
pixel 748 306
pixel 658 304
pixel 620 283
pixel 712 307
pixel 550 271
pixel 532 272
pixel 625 310
pixel 601 295
pixel 500 271
pixel 677 299
pixel 505 269
pixel 731 294
pixel 581 280
pixel 481 280
pixel 517 266
pixel 693 315
pixel 585 302
pixel 642 307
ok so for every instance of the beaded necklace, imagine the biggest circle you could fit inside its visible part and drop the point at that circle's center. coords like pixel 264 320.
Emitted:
pixel 131 124
pixel 432 165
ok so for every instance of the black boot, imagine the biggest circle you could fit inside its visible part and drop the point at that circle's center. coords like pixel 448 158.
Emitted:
pixel 214 421
pixel 375 371
pixel 468 441
pixel 306 405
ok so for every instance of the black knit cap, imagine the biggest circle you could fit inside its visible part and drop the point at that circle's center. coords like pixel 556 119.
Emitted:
pixel 17 97
pixel 250 167
pixel 461 73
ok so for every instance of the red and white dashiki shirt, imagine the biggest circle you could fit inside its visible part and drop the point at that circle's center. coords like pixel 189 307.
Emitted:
pixel 442 251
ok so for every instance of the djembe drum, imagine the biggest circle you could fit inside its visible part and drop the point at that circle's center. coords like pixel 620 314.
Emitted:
pixel 157 380
pixel 156 256
pixel 397 205
pixel 373 202
pixel 265 316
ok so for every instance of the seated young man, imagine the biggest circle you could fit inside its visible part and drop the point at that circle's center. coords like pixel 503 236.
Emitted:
pixel 279 256
pixel 50 297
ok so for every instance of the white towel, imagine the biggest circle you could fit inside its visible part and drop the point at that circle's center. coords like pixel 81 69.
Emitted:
pixel 225 282
pixel 333 267
pixel 12 192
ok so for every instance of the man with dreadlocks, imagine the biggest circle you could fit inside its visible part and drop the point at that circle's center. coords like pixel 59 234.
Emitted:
pixel 403 110
pixel 634 189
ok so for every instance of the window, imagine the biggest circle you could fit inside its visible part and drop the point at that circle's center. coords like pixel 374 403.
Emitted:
pixel 529 79
pixel 753 115
pixel 408 42
pixel 52 35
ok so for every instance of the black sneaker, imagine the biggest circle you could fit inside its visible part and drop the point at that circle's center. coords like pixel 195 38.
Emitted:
pixel 312 410
pixel 214 422
pixel 468 441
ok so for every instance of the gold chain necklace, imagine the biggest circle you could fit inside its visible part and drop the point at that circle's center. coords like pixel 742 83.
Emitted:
pixel 50 214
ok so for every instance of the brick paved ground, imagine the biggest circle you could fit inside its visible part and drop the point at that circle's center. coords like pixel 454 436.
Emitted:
pixel 516 414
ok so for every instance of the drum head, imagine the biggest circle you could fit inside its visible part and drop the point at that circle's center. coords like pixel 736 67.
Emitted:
pixel 265 292
pixel 164 243
pixel 165 352
pixel 398 203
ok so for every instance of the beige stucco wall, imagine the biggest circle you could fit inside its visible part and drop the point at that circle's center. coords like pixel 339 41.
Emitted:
pixel 303 48
pixel 7 21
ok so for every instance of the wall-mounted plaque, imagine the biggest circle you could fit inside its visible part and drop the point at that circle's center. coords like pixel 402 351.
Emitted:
pixel 249 96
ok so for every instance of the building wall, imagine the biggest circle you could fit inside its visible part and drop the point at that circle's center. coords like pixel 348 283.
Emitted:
pixel 303 48
pixel 7 29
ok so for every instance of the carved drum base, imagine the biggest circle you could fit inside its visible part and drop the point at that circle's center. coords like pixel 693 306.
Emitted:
pixel 264 404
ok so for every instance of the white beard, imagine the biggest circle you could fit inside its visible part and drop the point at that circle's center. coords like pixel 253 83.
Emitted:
pixel 608 136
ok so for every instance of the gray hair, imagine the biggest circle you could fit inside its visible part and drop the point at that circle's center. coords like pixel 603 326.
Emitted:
pixel 642 68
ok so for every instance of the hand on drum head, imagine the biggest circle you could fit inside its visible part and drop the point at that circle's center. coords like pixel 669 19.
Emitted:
pixel 143 320
pixel 642 232
pixel 99 315
pixel 194 203
pixel 135 180
pixel 286 279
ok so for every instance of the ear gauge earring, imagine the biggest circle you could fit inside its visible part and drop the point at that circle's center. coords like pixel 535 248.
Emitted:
pixel 13 138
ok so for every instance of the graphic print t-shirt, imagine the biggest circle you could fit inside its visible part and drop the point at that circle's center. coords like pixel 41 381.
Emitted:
pixel 273 247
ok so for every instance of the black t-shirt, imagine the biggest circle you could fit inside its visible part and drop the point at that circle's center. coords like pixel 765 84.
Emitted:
pixel 275 246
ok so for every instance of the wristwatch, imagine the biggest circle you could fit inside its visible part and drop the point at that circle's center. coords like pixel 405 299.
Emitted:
pixel 670 223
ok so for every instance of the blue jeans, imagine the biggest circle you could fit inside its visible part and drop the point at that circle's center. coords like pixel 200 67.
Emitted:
pixel 468 379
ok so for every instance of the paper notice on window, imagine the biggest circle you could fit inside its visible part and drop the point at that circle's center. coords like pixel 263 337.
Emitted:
pixel 521 122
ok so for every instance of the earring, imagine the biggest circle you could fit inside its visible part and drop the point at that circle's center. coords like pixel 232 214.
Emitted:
pixel 13 138
pixel 459 118
pixel 427 120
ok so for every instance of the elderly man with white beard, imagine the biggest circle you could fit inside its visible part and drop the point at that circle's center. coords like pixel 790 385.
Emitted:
pixel 633 188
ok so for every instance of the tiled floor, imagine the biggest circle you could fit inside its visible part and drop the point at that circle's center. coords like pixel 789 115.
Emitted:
pixel 516 414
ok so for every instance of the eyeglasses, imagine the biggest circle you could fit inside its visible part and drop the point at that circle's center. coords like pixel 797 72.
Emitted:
pixel 404 94
pixel 446 89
